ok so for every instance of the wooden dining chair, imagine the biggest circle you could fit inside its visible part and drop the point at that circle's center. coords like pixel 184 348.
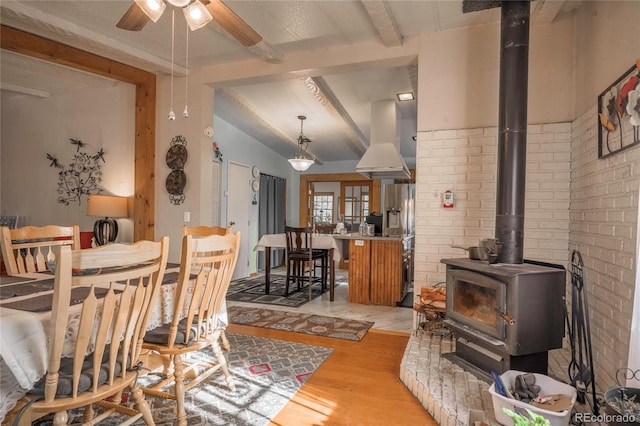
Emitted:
pixel 301 256
pixel 28 249
pixel 205 231
pixel 194 324
pixel 98 321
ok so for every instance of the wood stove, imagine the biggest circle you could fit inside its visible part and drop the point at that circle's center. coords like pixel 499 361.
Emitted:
pixel 510 314
pixel 505 316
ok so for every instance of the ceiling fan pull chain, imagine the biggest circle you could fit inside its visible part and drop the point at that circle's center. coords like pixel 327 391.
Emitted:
pixel 185 113
pixel 172 115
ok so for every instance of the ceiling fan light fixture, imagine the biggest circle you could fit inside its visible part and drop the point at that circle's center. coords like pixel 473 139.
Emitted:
pixel 180 3
pixel 197 15
pixel 300 162
pixel 152 8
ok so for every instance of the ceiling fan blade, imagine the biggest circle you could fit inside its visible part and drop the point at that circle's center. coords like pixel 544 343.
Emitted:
pixel 134 19
pixel 232 23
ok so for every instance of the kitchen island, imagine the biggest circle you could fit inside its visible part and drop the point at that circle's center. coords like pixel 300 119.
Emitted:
pixel 380 268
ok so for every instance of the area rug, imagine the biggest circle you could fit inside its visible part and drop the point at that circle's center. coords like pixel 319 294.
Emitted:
pixel 318 325
pixel 252 290
pixel 267 373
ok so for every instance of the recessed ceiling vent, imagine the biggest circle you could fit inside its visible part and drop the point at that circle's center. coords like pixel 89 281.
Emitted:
pixel 382 160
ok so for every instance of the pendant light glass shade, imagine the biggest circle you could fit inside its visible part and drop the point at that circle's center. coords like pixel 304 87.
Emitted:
pixel 197 15
pixel 152 8
pixel 180 3
pixel 300 164
pixel 302 160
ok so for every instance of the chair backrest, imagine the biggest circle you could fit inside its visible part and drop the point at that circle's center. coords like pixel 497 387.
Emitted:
pixel 28 249
pixel 298 239
pixel 113 302
pixel 212 259
pixel 205 231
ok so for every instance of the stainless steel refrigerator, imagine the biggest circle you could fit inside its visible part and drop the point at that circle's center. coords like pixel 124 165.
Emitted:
pixel 398 209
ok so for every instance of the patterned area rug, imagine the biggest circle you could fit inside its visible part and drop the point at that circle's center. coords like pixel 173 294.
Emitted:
pixel 252 290
pixel 267 373
pixel 318 325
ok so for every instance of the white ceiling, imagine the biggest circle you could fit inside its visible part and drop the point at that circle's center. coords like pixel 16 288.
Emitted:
pixel 337 104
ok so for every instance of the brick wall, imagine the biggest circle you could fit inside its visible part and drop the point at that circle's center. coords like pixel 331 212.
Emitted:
pixel 464 161
pixel 603 227
pixel 573 201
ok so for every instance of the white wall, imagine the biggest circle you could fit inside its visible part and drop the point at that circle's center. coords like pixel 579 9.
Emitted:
pixel 239 147
pixel 33 127
pixel 459 72
pixel 169 217
pixel 464 161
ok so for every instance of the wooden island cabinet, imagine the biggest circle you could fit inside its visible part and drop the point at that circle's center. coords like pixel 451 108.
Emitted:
pixel 380 268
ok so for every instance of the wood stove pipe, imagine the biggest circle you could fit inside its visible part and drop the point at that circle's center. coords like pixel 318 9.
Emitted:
pixel 512 130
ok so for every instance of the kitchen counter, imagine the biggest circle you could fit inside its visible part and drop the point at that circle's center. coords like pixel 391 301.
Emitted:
pixel 380 268
pixel 356 236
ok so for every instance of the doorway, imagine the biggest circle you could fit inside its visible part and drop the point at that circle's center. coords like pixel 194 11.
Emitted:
pixel 238 207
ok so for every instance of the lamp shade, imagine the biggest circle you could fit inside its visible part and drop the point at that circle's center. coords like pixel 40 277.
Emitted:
pixel 152 8
pixel 107 206
pixel 300 164
pixel 197 15
pixel 105 230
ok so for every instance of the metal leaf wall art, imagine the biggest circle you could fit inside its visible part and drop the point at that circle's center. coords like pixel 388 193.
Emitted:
pixel 81 177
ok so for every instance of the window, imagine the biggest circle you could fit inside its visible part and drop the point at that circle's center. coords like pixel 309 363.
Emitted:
pixel 323 207
pixel 356 202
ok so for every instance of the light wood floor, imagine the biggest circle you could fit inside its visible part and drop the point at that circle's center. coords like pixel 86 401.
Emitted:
pixel 357 385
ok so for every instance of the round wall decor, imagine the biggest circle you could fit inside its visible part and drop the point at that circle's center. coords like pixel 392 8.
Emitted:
pixel 177 179
pixel 176 157
pixel 255 185
pixel 255 171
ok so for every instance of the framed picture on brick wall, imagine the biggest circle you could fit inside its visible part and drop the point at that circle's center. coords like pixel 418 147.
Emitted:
pixel 619 114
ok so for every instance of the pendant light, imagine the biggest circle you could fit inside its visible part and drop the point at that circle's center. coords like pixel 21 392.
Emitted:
pixel 302 160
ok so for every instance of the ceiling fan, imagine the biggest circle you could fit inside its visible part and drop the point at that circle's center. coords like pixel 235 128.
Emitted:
pixel 143 11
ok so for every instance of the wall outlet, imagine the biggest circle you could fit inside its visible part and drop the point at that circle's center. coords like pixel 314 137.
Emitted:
pixel 187 217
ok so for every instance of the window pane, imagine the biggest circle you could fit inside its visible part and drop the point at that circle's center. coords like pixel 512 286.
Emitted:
pixel 323 207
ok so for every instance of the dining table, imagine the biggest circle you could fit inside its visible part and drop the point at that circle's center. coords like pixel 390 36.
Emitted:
pixel 318 241
pixel 25 313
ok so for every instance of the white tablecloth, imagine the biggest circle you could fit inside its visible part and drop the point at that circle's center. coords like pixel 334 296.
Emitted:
pixel 319 241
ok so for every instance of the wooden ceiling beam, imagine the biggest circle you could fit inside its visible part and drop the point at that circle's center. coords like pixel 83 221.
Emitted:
pixel 145 111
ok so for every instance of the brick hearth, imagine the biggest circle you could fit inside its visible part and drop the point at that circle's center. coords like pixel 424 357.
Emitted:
pixel 448 392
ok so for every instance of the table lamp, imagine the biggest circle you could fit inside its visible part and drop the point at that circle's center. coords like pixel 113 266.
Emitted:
pixel 105 230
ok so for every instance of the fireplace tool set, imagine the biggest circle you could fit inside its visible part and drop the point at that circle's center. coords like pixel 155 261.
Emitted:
pixel 580 368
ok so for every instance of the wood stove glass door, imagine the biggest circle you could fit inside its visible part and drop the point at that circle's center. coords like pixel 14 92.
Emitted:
pixel 475 301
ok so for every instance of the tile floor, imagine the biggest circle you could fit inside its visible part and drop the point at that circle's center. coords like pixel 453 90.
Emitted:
pixel 384 317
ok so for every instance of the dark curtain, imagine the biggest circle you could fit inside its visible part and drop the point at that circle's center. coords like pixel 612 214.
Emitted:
pixel 272 214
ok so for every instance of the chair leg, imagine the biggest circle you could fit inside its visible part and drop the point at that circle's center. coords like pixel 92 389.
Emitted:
pixel 325 264
pixel 286 285
pixel 142 405
pixel 222 361
pixel 179 390
pixel 225 342
pixel 310 280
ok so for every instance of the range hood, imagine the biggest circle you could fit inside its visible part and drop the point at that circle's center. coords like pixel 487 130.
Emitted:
pixel 382 160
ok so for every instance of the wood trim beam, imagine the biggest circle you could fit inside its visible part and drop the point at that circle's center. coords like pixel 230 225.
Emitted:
pixel 145 111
